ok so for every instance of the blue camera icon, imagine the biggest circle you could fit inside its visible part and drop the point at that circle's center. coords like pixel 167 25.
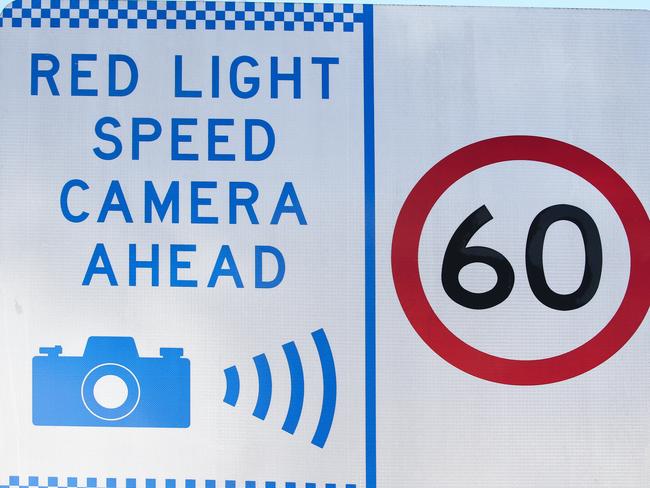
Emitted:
pixel 152 392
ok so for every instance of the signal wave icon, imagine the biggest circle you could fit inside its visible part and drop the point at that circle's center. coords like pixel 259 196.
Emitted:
pixel 297 378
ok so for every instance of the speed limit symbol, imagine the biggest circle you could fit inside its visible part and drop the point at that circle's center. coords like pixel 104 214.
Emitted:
pixel 410 275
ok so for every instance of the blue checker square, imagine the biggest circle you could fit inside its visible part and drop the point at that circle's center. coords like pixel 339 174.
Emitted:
pixel 209 24
pixel 181 14
pixel 111 483
pixel 348 8
pixel 210 6
pixel 91 483
pixel 348 27
pixel 309 26
pixel 278 16
pixel 249 6
pixel 230 25
pixel 289 26
pixel 319 17
pixel 113 4
pixel 249 25
pixel 26 13
pixel 200 15
pixel 113 24
pixel 65 13
pixel 53 23
pixel 170 483
pixel 16 23
pixel 338 17
pixel 161 14
pixel 74 23
pixel 230 6
pixel 190 483
pixel 299 16
pixel 221 15
pixel 45 13
pixel 122 13
pixel 328 26
pixel 32 480
pixel 130 483
pixel 52 481
pixel 269 7
pixel 130 23
pixel 14 481
pixel 72 482
pixel 328 7
pixel 152 24
pixel 240 15
pixel 269 25
pixel 150 483
pixel 93 4
pixel 191 5
pixel 190 24
pixel 93 23
pixel 210 484
pixel 289 7
pixel 309 7
pixel 259 15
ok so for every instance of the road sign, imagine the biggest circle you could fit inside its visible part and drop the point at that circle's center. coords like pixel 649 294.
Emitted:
pixel 608 341
pixel 264 245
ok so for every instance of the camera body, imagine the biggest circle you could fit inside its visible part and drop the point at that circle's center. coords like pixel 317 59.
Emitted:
pixel 157 388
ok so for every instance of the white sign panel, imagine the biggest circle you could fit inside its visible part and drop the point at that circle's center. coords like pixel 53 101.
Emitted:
pixel 290 245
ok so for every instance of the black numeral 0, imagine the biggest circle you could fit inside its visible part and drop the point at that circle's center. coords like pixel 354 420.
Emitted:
pixel 458 255
pixel 593 257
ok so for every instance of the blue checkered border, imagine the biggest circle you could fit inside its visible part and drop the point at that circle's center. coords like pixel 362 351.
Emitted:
pixel 55 482
pixel 168 14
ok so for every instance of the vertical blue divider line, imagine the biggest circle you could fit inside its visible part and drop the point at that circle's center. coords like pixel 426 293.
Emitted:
pixel 232 386
pixel 370 288
pixel 329 388
pixel 297 387
pixel 265 386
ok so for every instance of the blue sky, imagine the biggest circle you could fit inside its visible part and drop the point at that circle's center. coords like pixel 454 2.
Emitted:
pixel 616 4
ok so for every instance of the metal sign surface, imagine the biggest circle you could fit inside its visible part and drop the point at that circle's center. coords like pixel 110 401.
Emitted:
pixel 296 245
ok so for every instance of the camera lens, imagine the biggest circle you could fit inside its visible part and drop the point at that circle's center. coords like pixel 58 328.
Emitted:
pixel 110 392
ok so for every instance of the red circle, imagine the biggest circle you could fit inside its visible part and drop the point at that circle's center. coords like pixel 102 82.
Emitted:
pixel 406 273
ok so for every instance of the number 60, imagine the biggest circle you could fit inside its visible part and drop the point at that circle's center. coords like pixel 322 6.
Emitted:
pixel 458 255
